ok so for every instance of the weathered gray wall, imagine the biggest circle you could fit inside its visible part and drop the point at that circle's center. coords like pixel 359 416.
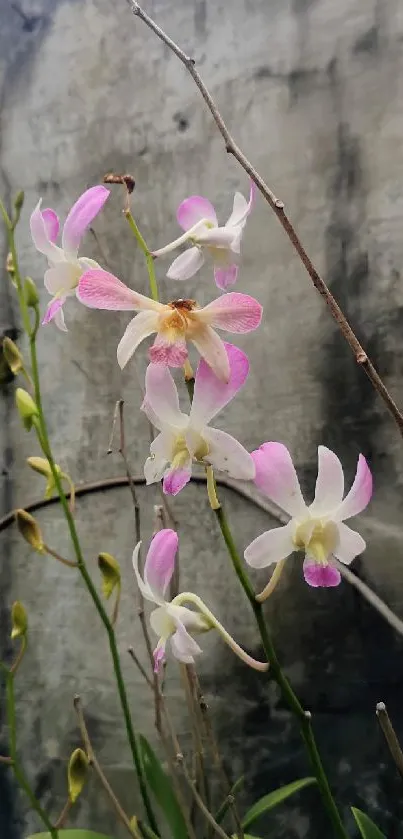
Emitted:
pixel 313 90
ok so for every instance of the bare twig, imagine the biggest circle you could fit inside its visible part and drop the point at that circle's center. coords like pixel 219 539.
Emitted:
pixel 92 760
pixel 200 803
pixel 140 667
pixel 60 822
pixel 277 206
pixel 372 598
pixel 390 736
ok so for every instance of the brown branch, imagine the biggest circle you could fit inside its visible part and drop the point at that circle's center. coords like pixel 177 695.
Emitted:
pixel 390 736
pixel 92 760
pixel 277 206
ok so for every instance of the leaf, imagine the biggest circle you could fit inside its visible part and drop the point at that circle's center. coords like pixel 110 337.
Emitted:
pixel 273 799
pixel 366 826
pixel 72 834
pixel 161 786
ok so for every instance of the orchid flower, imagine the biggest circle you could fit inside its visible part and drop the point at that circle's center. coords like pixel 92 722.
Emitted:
pixel 197 217
pixel 171 621
pixel 175 323
pixel 317 529
pixel 65 266
pixel 186 438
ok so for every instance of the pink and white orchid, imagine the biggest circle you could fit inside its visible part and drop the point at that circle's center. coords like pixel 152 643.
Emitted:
pixel 171 621
pixel 65 266
pixel 186 438
pixel 175 323
pixel 317 529
pixel 197 217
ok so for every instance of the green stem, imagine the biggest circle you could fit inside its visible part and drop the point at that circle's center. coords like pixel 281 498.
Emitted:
pixel 303 717
pixel 147 254
pixel 45 444
pixel 18 771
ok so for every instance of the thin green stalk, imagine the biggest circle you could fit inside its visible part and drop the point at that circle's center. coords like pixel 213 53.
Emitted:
pixel 18 771
pixel 303 717
pixel 147 254
pixel 44 441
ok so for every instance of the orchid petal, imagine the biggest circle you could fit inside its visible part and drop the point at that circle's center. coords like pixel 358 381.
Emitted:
pixel 183 646
pixel 40 232
pixel 99 289
pixel 210 394
pixel 160 562
pixel 172 354
pixel 59 321
pixel 234 312
pixel 276 477
pixel 176 479
pixel 320 576
pixel 212 350
pixel 227 455
pixel 52 224
pixel 194 209
pixel 350 544
pixel 158 657
pixel 329 484
pixel 271 546
pixel 162 623
pixel 139 328
pixel 186 264
pixel 144 588
pixel 80 217
pixel 360 493
pixel 156 465
pixel 216 237
pixel 162 397
pixel 225 277
pixel 62 277
pixel 242 207
pixel 53 308
pixel 191 620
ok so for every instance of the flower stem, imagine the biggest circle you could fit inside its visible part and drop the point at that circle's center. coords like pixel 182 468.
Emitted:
pixel 45 444
pixel 18 771
pixel 149 258
pixel 303 717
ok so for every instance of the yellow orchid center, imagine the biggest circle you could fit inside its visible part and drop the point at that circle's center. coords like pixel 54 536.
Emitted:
pixel 318 538
pixel 178 320
pixel 180 452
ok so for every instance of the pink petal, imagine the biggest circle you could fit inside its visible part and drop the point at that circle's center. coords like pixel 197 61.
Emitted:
pixel 53 308
pixel 40 235
pixel 213 352
pixel 321 576
pixel 51 222
pixel 81 215
pixel 277 478
pixel 99 289
pixel 175 480
pixel 160 562
pixel 350 544
pixel 142 325
pixel 228 455
pixel 159 657
pixel 195 209
pixel 162 397
pixel 186 264
pixel 225 277
pixel 360 493
pixel 165 352
pixel 234 312
pixel 329 484
pixel 210 394
pixel 242 208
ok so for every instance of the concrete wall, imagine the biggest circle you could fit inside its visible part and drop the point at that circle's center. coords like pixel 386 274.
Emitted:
pixel 313 91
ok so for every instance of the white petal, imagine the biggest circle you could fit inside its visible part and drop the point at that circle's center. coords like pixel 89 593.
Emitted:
pixel 59 321
pixel 154 469
pixel 162 397
pixel 145 590
pixel 161 451
pixel 217 237
pixel 186 264
pixel 350 544
pixel 227 455
pixel 360 493
pixel 140 327
pixel 212 349
pixel 329 484
pixel 161 622
pixel 184 647
pixel 61 277
pixel 193 621
pixel 271 546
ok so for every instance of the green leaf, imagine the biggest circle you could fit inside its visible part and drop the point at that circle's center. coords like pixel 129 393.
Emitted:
pixel 273 799
pixel 72 834
pixel 367 828
pixel 161 787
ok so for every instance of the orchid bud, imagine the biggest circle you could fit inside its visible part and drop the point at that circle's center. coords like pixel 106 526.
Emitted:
pixel 41 465
pixel 10 267
pixel 19 620
pixel 12 355
pixel 19 201
pixel 26 407
pixel 30 530
pixel 77 773
pixel 110 573
pixel 31 293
